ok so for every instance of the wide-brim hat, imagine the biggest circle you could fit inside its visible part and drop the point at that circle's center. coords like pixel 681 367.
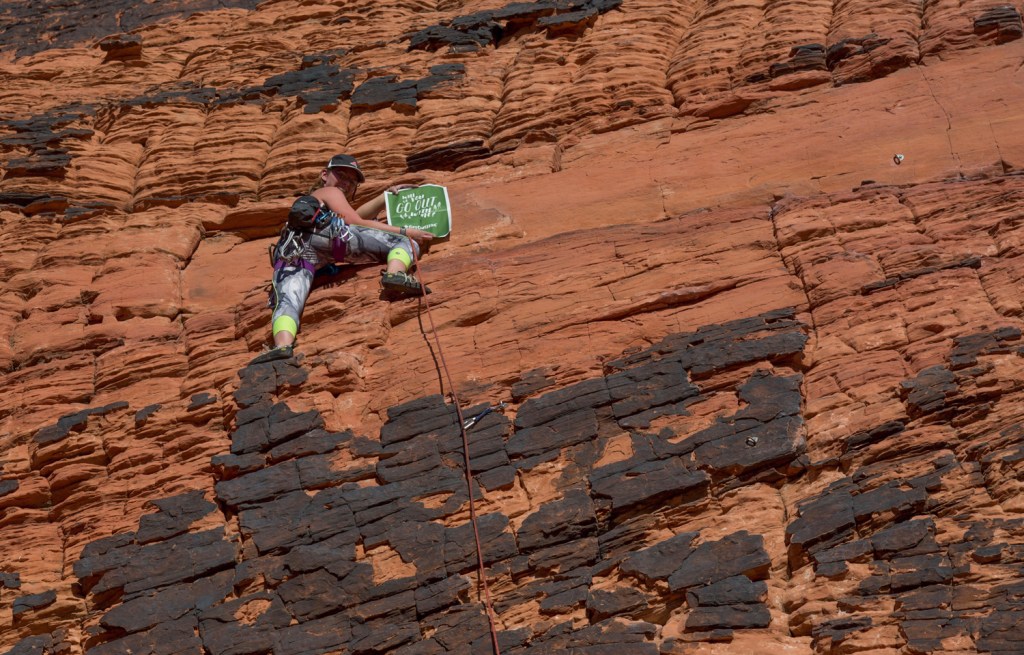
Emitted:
pixel 346 161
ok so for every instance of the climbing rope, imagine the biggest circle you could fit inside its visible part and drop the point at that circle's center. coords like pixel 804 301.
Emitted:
pixel 463 426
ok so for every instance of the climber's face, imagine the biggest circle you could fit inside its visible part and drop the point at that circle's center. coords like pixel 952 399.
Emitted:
pixel 343 178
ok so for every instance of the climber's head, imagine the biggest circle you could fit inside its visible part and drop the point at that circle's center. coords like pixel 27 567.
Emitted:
pixel 346 162
pixel 342 171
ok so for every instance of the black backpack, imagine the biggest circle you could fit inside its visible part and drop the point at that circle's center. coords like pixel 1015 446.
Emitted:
pixel 307 214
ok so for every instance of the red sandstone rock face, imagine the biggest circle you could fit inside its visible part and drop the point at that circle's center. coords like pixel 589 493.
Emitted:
pixel 762 376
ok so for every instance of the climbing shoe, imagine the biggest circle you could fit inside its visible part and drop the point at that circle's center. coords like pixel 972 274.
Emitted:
pixel 401 285
pixel 281 352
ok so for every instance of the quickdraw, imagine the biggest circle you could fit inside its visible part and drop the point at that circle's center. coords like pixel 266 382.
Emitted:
pixel 470 422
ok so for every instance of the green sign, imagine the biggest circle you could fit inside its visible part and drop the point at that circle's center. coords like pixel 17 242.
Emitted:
pixel 424 207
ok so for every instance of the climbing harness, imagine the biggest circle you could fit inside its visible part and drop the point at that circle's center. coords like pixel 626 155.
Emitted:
pixel 293 243
pixel 464 425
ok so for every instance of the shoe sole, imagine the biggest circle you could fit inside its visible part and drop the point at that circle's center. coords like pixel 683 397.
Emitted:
pixel 403 292
pixel 271 356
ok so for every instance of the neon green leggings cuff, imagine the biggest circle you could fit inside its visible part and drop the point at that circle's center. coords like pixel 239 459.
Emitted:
pixel 401 255
pixel 286 324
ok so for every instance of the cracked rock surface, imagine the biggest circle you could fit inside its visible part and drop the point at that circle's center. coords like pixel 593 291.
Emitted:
pixel 762 376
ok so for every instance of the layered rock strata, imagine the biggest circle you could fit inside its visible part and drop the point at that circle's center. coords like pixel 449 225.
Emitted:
pixel 744 275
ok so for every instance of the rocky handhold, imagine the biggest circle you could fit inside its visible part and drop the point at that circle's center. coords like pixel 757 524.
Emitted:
pixel 120 565
pixel 260 485
pixel 659 561
pixel 714 561
pixel 201 400
pixel 967 262
pixel 34 645
pixel 604 604
pixel 909 538
pixel 968 348
pixel 284 424
pixel 530 383
pixel 929 392
pixel 8 487
pixel 572 20
pixel 614 635
pixel 447 592
pixel 896 499
pixel 483 28
pixel 773 336
pixel 143 414
pixel 388 91
pixel 259 382
pixel 832 562
pixel 268 429
pixel 562 403
pixel 706 619
pixel 649 482
pixel 251 437
pixel 315 442
pixel 867 437
pixel 380 92
pixel 912 572
pixel 317 593
pixel 852 46
pixel 661 385
pixel 1003 22
pixel 243 626
pixel 831 634
pixel 810 56
pixel 327 634
pixel 563 557
pixel 988 554
pixel 55 24
pixel 418 417
pixel 320 85
pixel 770 426
pixel 74 423
pixel 564 602
pixel 559 521
pixel 174 517
pixel 738 589
pixel 861 59
pixel 121 47
pixel 45 164
pixel 166 606
pixel 39 143
pixel 497 543
pixel 33 602
pixel 457 40
pixel 548 439
pixel 417 458
pixel 999 631
pixel 383 635
pixel 448 157
pixel 10 580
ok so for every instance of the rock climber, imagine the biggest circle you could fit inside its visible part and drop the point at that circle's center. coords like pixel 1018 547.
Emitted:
pixel 336 232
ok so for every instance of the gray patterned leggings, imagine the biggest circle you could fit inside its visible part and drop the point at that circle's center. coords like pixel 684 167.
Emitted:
pixel 292 282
